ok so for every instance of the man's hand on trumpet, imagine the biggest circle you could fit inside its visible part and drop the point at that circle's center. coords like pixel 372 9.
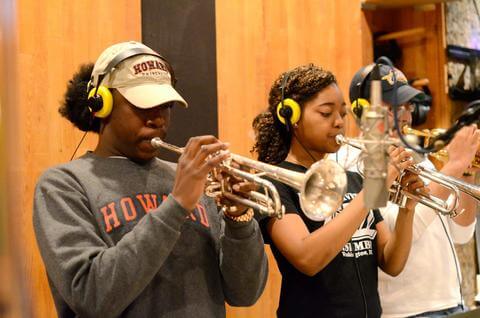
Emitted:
pixel 400 159
pixel 410 182
pixel 199 157
pixel 237 186
pixel 462 150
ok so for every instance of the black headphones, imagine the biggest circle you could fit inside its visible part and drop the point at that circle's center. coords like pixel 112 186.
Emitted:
pixel 359 103
pixel 421 107
pixel 288 110
pixel 419 114
pixel 100 100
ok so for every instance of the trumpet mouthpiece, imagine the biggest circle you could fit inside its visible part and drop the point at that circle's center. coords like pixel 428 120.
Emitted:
pixel 156 142
pixel 339 139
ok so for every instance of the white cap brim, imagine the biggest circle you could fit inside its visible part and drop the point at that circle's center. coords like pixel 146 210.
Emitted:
pixel 151 94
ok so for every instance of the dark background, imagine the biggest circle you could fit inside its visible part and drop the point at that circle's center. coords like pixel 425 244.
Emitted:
pixel 183 31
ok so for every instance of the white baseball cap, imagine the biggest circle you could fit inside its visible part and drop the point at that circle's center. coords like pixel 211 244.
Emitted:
pixel 143 79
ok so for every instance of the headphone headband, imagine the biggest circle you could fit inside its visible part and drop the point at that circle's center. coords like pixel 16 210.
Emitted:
pixel 96 81
pixel 100 100
pixel 363 79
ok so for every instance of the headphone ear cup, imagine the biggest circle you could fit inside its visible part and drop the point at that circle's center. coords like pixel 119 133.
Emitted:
pixel 358 106
pixel 288 110
pixel 95 102
pixel 419 114
pixel 101 103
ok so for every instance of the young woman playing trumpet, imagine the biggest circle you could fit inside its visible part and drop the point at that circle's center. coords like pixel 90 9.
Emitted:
pixel 329 267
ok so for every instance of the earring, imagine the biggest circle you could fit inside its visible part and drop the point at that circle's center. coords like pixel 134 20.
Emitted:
pixel 295 125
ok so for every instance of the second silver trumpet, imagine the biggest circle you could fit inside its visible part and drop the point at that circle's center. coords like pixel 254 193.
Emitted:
pixel 397 194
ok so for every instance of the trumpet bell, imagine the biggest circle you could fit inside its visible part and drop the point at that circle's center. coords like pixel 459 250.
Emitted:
pixel 323 190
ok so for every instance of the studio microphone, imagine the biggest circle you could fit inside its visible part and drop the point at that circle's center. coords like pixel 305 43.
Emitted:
pixel 374 127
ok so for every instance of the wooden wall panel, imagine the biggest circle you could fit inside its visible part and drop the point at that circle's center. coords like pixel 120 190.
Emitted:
pixel 54 37
pixel 423 56
pixel 256 41
pixel 11 281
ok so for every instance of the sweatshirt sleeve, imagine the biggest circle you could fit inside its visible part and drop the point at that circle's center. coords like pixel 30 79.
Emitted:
pixel 94 279
pixel 243 262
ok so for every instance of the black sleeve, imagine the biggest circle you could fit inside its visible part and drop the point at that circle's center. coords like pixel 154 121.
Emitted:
pixel 355 182
pixel 289 198
pixel 378 216
pixel 355 185
pixel 290 201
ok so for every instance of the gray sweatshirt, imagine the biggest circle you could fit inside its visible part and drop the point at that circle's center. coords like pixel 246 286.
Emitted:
pixel 116 243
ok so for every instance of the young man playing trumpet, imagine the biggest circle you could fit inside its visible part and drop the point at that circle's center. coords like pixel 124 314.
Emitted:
pixel 124 234
pixel 429 285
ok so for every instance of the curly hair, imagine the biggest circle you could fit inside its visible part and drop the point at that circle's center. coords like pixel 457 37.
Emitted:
pixel 272 139
pixel 74 106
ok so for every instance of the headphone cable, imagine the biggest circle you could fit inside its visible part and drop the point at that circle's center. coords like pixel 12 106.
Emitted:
pixel 457 267
pixel 365 305
pixel 301 144
pixel 78 146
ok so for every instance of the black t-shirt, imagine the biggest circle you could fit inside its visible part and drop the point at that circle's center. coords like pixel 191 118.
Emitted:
pixel 342 287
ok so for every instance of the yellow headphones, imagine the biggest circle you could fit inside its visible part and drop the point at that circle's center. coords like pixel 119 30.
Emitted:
pixel 358 106
pixel 288 109
pixel 100 99
pixel 359 103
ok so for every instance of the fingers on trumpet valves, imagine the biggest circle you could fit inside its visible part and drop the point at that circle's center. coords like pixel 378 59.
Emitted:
pixel 206 150
pixel 392 149
pixel 234 185
pixel 217 157
pixel 213 189
pixel 403 159
pixel 412 183
pixel 244 187
pixel 394 152
pixel 203 146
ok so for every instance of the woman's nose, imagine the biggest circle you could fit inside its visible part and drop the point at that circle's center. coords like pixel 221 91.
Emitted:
pixel 339 121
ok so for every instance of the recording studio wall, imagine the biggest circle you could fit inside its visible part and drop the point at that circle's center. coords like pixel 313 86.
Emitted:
pixel 183 31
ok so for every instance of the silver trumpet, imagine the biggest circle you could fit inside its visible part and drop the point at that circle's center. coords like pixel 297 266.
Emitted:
pixel 399 195
pixel 321 188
